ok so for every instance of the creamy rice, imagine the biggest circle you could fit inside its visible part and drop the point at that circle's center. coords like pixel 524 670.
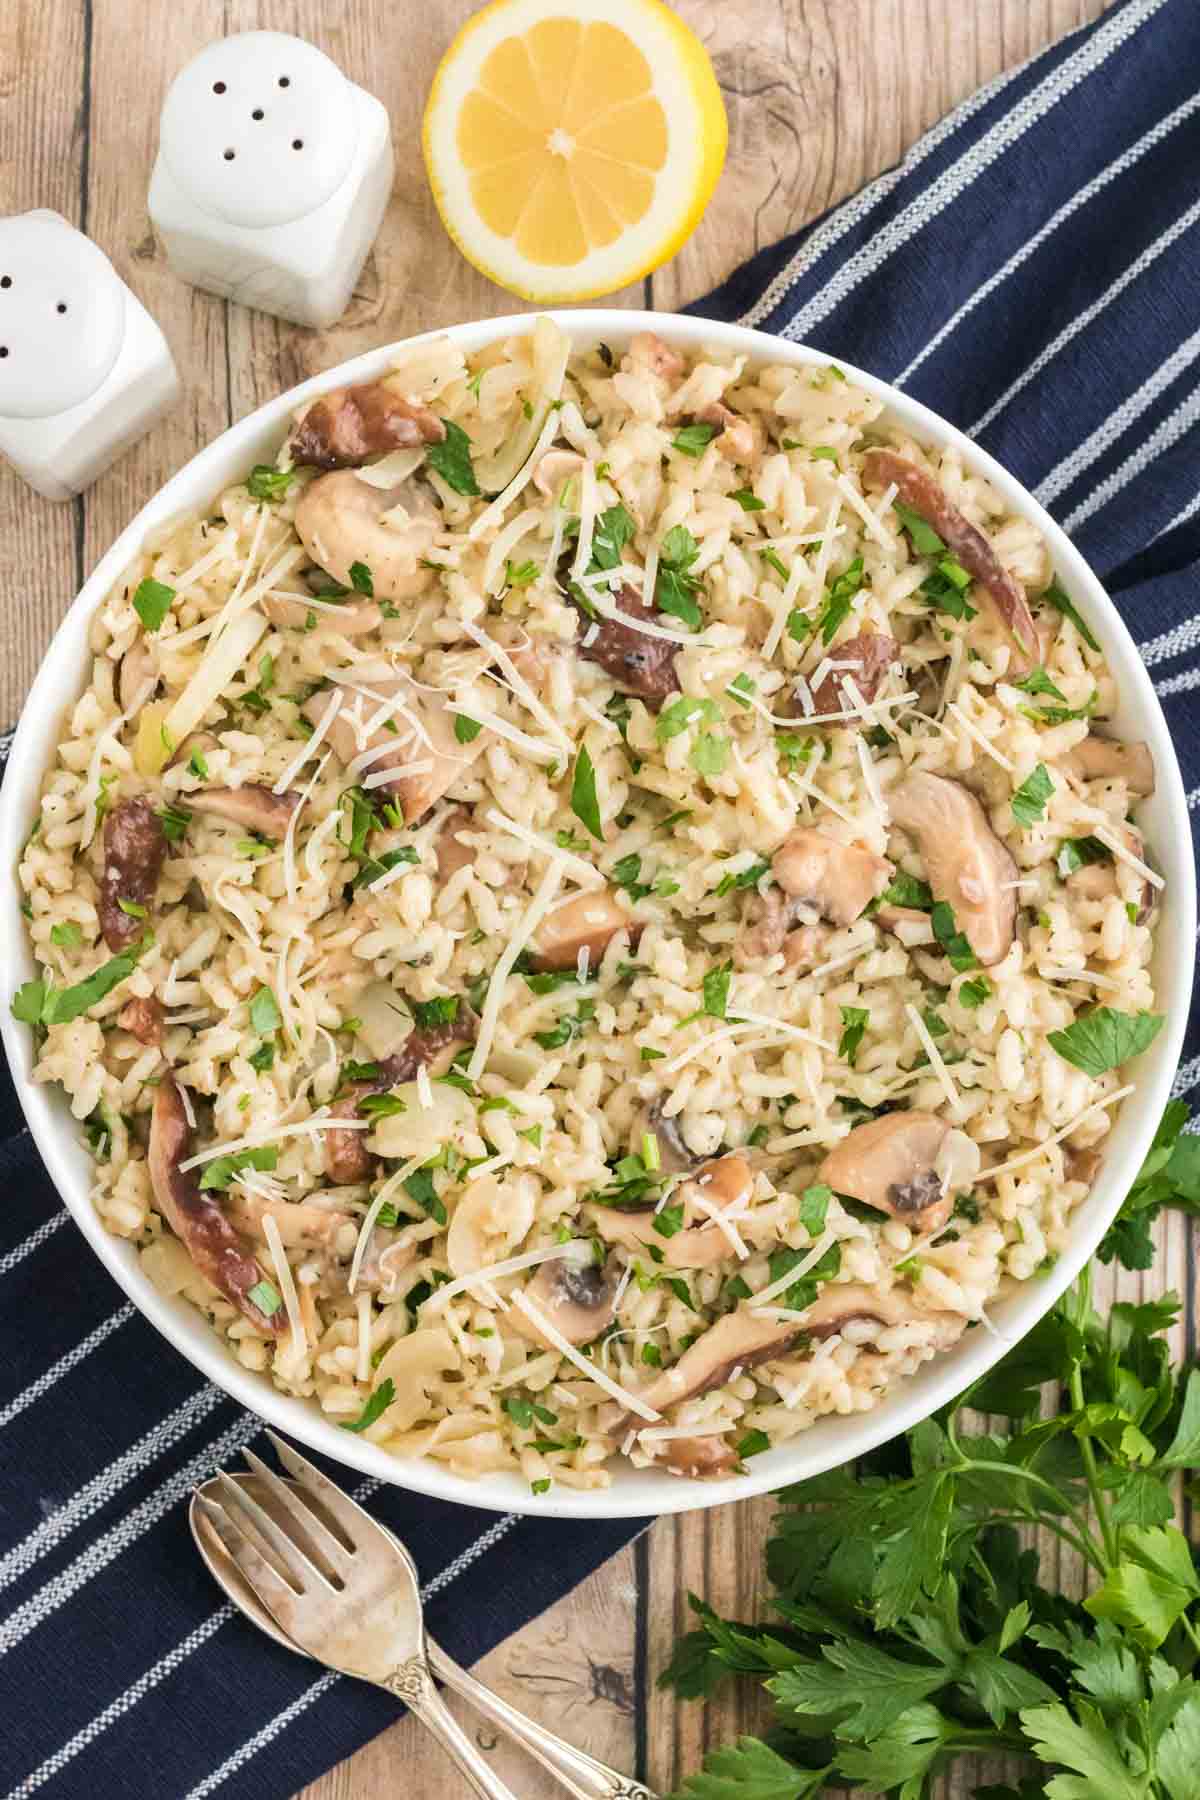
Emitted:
pixel 620 1061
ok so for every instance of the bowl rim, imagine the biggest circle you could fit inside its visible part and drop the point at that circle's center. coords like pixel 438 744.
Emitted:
pixel 834 1440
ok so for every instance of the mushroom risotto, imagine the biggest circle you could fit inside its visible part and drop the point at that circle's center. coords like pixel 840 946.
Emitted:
pixel 590 910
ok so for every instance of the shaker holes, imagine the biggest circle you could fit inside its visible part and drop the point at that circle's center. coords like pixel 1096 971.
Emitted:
pixel 258 113
pixel 5 281
pixel 229 155
pixel 297 143
pixel 218 87
pixel 285 81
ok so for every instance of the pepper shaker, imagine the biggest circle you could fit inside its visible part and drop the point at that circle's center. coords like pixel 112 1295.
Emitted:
pixel 84 369
pixel 272 177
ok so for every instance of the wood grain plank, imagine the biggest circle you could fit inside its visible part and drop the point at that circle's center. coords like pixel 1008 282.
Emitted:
pixel 42 136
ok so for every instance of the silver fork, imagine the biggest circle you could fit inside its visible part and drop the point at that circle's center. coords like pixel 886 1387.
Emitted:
pixel 273 1546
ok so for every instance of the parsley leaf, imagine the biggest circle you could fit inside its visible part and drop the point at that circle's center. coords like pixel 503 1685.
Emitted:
pixel 1056 596
pixel 267 483
pixel 953 941
pixel 584 803
pixel 375 1408
pixel 452 460
pixel 715 988
pixel 219 1173
pixel 1029 801
pixel 693 440
pixel 854 1023
pixel 748 500
pixel 152 602
pixel 925 540
pixel 675 587
pixel 265 1016
pixel 1104 1038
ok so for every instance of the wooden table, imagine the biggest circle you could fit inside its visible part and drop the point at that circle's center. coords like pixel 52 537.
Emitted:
pixel 822 94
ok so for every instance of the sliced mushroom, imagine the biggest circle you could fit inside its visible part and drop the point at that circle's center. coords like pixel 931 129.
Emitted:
pixel 674 1155
pixel 699 1458
pixel 423 740
pixel 890 1164
pixel 343 521
pixel 298 1222
pixel 432 1047
pixel 196 1217
pixel 724 1183
pixel 351 619
pixel 908 923
pixel 343 428
pixel 768 925
pixel 576 1294
pixel 135 849
pixel 138 675
pixel 965 863
pixel 1101 880
pixel 1106 759
pixel 737 438
pixel 850 1303
pixel 918 489
pixel 416 1366
pixel 1082 1165
pixel 838 879
pixel 256 807
pixel 869 655
pixel 142 1018
pixel 647 349
pixel 555 467
pixel 588 922
pixel 638 663
pixel 740 1340
pixel 452 853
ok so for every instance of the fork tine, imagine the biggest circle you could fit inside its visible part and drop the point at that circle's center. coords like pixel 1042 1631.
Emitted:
pixel 297 1565
pixel 315 1535
pixel 261 1576
pixel 353 1519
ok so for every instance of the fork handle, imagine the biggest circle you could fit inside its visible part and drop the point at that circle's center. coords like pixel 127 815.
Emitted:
pixel 582 1776
pixel 413 1684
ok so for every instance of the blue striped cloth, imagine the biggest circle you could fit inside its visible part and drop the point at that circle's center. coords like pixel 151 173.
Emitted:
pixel 1030 271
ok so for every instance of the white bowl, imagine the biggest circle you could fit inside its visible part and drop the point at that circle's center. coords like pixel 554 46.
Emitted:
pixel 634 1493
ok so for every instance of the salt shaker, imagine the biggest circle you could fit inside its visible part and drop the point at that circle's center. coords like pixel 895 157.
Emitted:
pixel 84 369
pixel 272 176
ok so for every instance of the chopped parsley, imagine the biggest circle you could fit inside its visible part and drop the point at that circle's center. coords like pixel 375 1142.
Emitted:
pixel 265 1016
pixel 1056 596
pixel 266 1296
pixel 220 1172
pixel 854 1023
pixel 67 937
pixel 675 587
pixel 745 878
pixel 152 602
pixel 774 561
pixel 839 600
pixel 569 1027
pixel 814 1207
pixel 174 821
pixel 909 891
pixel 466 730
pixel 925 540
pixel 752 1444
pixel 748 501
pixel 1029 801
pixel 709 754
pixel 429 1014
pixel 451 459
pixel 715 989
pixel 37 1003
pixel 681 713
pixel 973 993
pixel 1038 682
pixel 953 941
pixel 693 440
pixel 375 1408
pixel 266 483
pixel 519 575
pixel 584 803
pixel 1104 1038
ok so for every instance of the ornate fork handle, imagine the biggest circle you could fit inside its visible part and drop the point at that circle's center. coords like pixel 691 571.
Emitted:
pixel 582 1776
pixel 412 1683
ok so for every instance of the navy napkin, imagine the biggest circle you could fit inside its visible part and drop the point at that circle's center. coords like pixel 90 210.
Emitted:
pixel 1030 270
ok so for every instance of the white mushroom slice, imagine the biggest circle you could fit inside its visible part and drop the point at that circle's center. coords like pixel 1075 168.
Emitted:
pixel 253 806
pixel 351 619
pixel 555 467
pixel 723 1184
pixel 1106 759
pixel 648 350
pixel 491 1219
pixel 587 922
pixel 1100 880
pixel 448 1119
pixel 740 1340
pixel 737 439
pixel 891 1164
pixel 423 736
pixel 575 1293
pixel 838 879
pixel 298 1222
pixel 845 1303
pixel 908 923
pixel 137 677
pixel 341 522
pixel 452 853
pixel 417 1368
pixel 966 864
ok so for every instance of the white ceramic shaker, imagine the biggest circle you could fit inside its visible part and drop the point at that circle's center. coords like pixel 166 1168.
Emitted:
pixel 84 370
pixel 272 176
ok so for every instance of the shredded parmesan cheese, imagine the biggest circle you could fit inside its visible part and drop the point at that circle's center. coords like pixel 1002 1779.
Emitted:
pixel 528 923
pixel 310 745
pixel 973 731
pixel 579 1248
pixel 936 1063
pixel 582 871
pixel 287 1286
pixel 593 1371
pixel 1018 1162
pixel 254 1140
pixel 373 1211
pixel 823 1243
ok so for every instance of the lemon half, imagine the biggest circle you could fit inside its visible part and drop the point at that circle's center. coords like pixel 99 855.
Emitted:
pixel 573 146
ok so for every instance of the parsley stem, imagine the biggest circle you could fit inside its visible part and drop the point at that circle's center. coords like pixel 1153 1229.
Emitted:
pixel 1088 1455
pixel 1090 1552
pixel 1094 1553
